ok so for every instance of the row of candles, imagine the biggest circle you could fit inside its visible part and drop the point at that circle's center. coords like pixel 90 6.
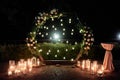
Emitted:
pixel 91 66
pixel 22 66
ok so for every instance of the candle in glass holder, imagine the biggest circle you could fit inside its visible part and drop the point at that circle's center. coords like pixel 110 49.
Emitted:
pixel 88 63
pixel 100 70
pixel 92 68
pixel 38 62
pixel 83 64
pixel 95 65
pixel 11 68
pixel 29 65
pixel 78 63
pixel 9 72
pixel 34 61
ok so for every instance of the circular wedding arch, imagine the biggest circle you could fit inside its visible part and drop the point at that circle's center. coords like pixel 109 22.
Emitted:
pixel 42 19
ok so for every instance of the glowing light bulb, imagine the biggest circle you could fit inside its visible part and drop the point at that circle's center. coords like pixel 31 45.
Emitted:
pixel 63 33
pixel 55 55
pixel 47 53
pixel 64 58
pixel 71 33
pixel 61 20
pixel 49 50
pixel 69 20
pixel 39 33
pixel 53 26
pixel 56 36
pixel 61 24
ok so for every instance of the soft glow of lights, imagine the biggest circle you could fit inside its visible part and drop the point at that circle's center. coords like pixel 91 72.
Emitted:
pixel 86 43
pixel 118 36
pixel 40 50
pixel 75 43
pixel 92 39
pixel 89 35
pixel 36 41
pixel 46 33
pixel 86 31
pixel 34 47
pixel 55 55
pixel 88 39
pixel 52 19
pixel 39 33
pixel 61 24
pixel 67 42
pixel 61 20
pixel 50 38
pixel 73 48
pixel 30 32
pixel 42 35
pixel 34 32
pixel 28 44
pixel 53 26
pixel 38 17
pixel 81 31
pixel 58 51
pixel 55 29
pixel 44 26
pixel 72 29
pixel 85 34
pixel 49 50
pixel 78 63
pixel 63 29
pixel 56 36
pixel 72 59
pixel 31 45
pixel 59 40
pixel 69 20
pixel 38 21
pixel 63 33
pixel 66 50
pixel 71 33
pixel 47 53
pixel 64 58
pixel 26 38
pixel 47 28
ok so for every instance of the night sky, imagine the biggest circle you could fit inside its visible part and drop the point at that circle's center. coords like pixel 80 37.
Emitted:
pixel 17 17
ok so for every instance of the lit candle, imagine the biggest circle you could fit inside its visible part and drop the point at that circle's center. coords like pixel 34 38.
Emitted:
pixel 88 63
pixel 29 65
pixel 9 72
pixel 95 66
pixel 78 63
pixel 72 59
pixel 83 64
pixel 92 68
pixel 34 61
pixel 38 62
pixel 100 72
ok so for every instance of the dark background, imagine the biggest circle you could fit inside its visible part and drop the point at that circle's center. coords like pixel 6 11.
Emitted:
pixel 17 16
